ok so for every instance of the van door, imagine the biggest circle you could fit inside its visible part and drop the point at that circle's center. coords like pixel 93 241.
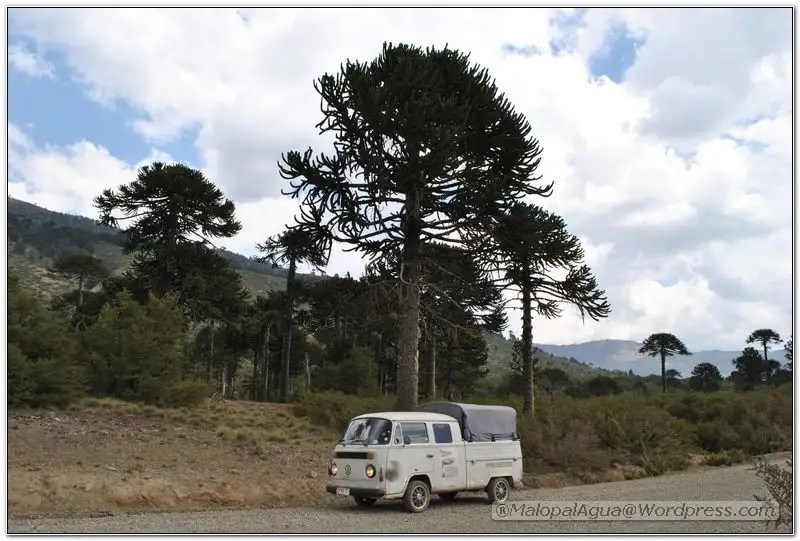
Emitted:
pixel 450 473
pixel 407 459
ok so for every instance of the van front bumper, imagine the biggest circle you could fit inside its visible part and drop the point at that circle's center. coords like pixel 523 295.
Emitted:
pixel 361 492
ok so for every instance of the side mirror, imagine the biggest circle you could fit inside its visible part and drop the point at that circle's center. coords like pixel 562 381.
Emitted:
pixel 406 440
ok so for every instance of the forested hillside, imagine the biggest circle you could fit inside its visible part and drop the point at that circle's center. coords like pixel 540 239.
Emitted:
pixel 36 236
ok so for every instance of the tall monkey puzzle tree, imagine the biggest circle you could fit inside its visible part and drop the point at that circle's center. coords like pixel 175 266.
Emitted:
pixel 533 255
pixel 663 344
pixel 765 337
pixel 292 247
pixel 173 212
pixel 425 149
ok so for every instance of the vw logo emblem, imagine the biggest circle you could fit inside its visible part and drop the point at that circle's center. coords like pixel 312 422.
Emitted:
pixel 347 470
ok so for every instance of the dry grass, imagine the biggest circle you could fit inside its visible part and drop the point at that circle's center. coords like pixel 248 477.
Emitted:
pixel 106 455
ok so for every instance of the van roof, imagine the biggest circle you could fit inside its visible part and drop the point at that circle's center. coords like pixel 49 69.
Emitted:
pixel 409 416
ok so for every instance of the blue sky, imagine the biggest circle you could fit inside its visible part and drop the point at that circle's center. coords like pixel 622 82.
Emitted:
pixel 58 110
pixel 659 128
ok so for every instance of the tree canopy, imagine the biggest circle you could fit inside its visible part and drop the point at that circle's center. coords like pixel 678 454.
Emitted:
pixel 765 337
pixel 663 345
pixel 426 147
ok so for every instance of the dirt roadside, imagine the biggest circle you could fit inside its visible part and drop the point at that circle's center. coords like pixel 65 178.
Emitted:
pixel 110 459
pixel 468 514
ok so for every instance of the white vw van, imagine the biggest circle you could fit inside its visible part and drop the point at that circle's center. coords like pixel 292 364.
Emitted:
pixel 443 449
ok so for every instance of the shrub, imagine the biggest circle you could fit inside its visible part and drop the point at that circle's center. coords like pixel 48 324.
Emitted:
pixel 136 352
pixel 642 432
pixel 180 394
pixel 335 409
pixel 354 375
pixel 41 370
pixel 726 457
pixel 779 484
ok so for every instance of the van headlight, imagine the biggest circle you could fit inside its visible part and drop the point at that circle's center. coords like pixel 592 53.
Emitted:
pixel 370 471
pixel 333 468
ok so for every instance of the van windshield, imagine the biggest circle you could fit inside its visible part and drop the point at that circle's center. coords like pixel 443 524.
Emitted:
pixel 368 431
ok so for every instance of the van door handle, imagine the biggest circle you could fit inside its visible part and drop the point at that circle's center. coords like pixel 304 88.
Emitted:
pixel 429 456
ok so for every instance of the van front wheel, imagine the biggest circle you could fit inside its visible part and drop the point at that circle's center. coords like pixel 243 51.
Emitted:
pixel 498 490
pixel 417 497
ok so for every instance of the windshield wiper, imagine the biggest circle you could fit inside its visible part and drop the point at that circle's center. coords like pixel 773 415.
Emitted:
pixel 359 440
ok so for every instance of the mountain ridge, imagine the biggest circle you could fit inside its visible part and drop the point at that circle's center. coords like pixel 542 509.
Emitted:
pixel 623 355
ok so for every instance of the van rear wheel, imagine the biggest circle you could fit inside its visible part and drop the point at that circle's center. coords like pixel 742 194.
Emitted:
pixel 417 496
pixel 364 502
pixel 498 490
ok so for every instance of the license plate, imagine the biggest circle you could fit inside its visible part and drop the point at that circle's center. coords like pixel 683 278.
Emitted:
pixel 342 491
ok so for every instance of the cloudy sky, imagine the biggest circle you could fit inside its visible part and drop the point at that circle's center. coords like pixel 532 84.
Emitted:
pixel 667 132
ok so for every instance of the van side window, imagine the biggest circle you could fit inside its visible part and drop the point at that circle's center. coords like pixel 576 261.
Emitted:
pixel 442 433
pixel 416 432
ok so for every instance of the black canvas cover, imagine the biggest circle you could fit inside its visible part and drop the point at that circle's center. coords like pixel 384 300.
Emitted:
pixel 478 422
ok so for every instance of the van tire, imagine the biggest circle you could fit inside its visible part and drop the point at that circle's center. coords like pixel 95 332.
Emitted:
pixel 364 502
pixel 498 490
pixel 448 496
pixel 417 496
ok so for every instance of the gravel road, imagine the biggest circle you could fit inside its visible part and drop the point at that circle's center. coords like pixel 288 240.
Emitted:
pixel 468 514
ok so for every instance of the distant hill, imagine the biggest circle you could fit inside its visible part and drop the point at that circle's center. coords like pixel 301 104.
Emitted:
pixel 36 236
pixel 624 355
pixel 500 350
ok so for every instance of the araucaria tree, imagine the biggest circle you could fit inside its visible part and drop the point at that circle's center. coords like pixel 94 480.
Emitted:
pixel 706 378
pixel 533 255
pixel 663 345
pixel 81 267
pixel 765 337
pixel 292 247
pixel 174 212
pixel 426 148
pixel 788 349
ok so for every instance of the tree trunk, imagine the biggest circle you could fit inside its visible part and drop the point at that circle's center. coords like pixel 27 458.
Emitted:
pixel 224 379
pixel 265 360
pixel 408 335
pixel 527 356
pixel 378 354
pixel 765 352
pixel 210 364
pixel 286 350
pixel 432 373
pixel 307 370
pixel 80 291
pixel 663 372
pixel 256 377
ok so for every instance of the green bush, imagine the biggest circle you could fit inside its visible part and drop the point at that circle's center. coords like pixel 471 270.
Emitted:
pixel 334 409
pixel 136 352
pixel 355 374
pixel 186 394
pixel 41 369
pixel 726 457
pixel 655 432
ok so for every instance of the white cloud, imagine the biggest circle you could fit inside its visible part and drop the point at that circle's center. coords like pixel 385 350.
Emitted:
pixel 65 178
pixel 676 175
pixel 29 62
